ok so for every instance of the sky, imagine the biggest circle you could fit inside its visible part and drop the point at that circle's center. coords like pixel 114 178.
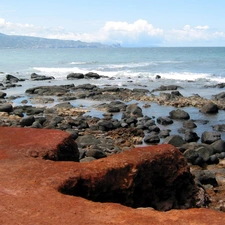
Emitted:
pixel 130 23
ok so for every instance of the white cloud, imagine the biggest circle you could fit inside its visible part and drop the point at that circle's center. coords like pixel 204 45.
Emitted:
pixel 138 33
pixel 202 27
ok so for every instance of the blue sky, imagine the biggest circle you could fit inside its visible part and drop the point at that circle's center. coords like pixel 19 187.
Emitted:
pixel 131 23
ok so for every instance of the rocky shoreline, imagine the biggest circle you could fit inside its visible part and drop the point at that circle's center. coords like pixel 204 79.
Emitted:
pixel 123 125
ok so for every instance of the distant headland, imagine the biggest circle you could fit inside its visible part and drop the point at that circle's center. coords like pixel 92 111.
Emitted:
pixel 15 41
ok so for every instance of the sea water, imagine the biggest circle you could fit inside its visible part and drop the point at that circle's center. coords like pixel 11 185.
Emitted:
pixel 192 68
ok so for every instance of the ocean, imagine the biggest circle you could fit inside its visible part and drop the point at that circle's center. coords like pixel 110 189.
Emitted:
pixel 192 68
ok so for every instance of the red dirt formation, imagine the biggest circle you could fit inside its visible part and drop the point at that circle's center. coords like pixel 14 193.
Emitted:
pixel 29 185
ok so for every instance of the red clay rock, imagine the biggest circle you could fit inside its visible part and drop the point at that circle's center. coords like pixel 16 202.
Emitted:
pixel 155 177
pixel 29 189
pixel 44 143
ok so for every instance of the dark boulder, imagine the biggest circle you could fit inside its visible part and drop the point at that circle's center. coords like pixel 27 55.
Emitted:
pixel 220 96
pixel 48 90
pixel 219 127
pixel 210 108
pixel 179 114
pixel 206 177
pixel 189 124
pixel 167 88
pixel 210 137
pixel 218 146
pixel 37 77
pixel 2 94
pixel 95 153
pixel 204 151
pixel 164 133
pixel 12 79
pixel 92 75
pixel 193 157
pixel 164 120
pixel 6 107
pixel 27 121
pixel 213 159
pixel 191 136
pixel 73 76
pixel 87 140
pixel 175 140
pixel 152 138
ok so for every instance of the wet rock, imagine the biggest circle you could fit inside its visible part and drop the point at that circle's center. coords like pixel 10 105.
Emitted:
pixel 219 127
pixel 84 87
pixel 87 140
pixel 191 136
pixel 164 120
pixel 193 157
pixel 12 79
pixel 152 138
pixel 92 75
pixel 65 105
pixel 204 151
pixel 134 110
pixel 175 140
pixel 2 94
pixel 179 114
pixel 37 77
pixel 106 125
pixel 48 90
pixel 218 146
pixel 210 137
pixel 209 108
pixel 220 96
pixel 189 124
pixel 87 159
pixel 73 76
pixel 95 153
pixel 166 88
pixel 27 121
pixel 206 177
pixel 6 107
pixel 164 133
pixel 213 159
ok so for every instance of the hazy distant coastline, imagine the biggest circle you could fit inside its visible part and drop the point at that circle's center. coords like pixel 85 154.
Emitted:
pixel 15 41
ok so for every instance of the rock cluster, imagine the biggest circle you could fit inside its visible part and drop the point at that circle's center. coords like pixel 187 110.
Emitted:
pixel 111 134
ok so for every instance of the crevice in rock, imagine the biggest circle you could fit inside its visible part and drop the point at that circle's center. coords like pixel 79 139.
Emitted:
pixel 158 184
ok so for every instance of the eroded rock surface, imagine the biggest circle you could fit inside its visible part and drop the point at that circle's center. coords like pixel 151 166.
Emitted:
pixel 29 187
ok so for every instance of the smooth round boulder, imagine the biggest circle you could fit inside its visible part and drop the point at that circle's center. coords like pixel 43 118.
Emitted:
pixel 175 140
pixel 95 153
pixel 218 146
pixel 179 114
pixel 27 121
pixel 73 76
pixel 152 138
pixel 210 108
pixel 189 124
pixel 6 107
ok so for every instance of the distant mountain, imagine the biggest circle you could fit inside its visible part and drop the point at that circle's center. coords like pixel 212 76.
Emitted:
pixel 14 41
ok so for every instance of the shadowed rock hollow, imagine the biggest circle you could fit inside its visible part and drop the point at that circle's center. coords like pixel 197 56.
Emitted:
pixel 155 177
